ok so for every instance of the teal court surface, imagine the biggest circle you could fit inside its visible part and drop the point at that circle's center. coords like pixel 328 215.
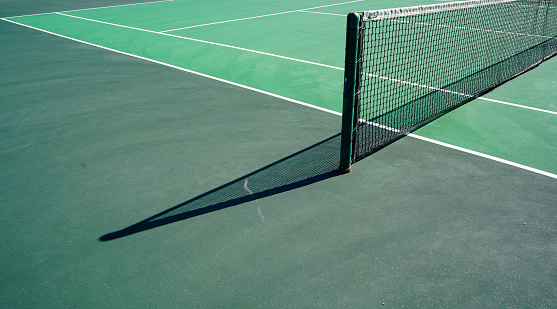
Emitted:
pixel 184 154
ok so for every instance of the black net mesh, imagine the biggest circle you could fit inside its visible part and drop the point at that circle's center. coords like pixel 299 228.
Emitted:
pixel 417 63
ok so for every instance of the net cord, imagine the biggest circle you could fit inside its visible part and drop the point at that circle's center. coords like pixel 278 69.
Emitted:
pixel 426 9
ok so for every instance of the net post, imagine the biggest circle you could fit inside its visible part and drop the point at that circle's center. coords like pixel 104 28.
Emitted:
pixel 349 94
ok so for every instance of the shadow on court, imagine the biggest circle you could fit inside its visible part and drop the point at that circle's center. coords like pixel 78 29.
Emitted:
pixel 310 165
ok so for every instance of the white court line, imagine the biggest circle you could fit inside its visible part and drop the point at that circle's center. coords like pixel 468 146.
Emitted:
pixel 102 7
pixel 517 105
pixel 462 149
pixel 254 17
pixel 493 158
pixel 483 155
pixel 462 94
pixel 306 11
pixel 206 42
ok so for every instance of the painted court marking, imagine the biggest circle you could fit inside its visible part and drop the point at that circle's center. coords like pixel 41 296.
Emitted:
pixel 483 155
pixel 95 8
pixel 518 105
pixel 462 94
pixel 267 15
pixel 323 13
pixel 462 149
pixel 496 159
pixel 205 42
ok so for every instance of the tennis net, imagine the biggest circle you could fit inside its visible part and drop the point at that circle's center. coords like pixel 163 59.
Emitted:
pixel 405 67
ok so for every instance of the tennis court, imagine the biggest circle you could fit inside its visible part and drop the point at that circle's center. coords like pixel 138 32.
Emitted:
pixel 184 154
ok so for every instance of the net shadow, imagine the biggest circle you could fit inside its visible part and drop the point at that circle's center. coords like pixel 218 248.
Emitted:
pixel 310 165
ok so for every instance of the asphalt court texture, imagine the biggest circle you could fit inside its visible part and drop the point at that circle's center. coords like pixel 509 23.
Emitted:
pixel 126 182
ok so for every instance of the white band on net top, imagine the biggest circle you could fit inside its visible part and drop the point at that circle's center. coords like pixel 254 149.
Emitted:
pixel 424 9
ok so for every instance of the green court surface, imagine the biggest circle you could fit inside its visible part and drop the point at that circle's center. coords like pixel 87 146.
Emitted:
pixel 183 154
